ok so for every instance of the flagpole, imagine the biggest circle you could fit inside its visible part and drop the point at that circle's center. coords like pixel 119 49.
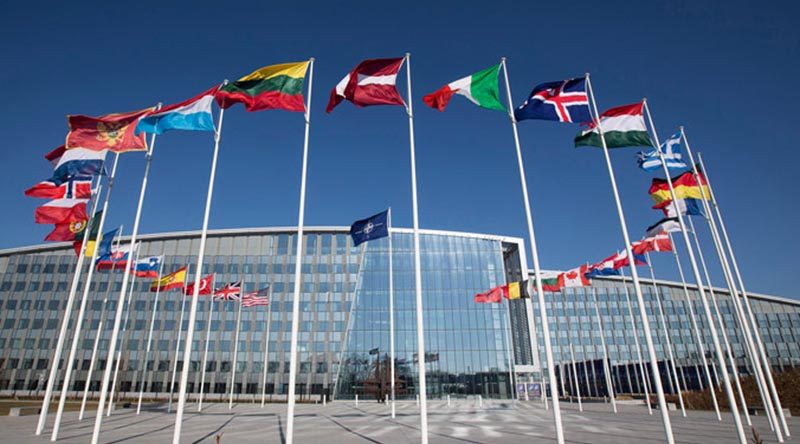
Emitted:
pixel 536 269
pixel 506 328
pixel 266 349
pixel 298 283
pixel 642 369
pixel 149 338
pixel 124 329
pixel 575 377
pixel 350 318
pixel 81 312
pixel 722 326
pixel 205 353
pixel 125 278
pixel 666 336
pixel 97 338
pixel 178 347
pixel 662 403
pixel 391 311
pixel 606 367
pixel 236 349
pixel 715 338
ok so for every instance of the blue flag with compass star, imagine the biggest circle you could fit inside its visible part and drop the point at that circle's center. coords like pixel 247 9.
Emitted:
pixel 373 227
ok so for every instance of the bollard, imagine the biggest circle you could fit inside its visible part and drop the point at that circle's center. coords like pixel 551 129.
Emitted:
pixel 448 400
pixel 356 399
pixel 417 400
pixel 480 401
pixel 324 400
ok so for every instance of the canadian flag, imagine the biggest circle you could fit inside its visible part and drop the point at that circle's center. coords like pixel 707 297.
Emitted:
pixel 575 277
pixel 371 82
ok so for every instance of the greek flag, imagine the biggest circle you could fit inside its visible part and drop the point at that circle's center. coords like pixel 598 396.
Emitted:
pixel 671 148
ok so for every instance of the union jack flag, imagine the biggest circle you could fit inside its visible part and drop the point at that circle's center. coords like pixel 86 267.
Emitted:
pixel 230 292
pixel 256 298
pixel 562 101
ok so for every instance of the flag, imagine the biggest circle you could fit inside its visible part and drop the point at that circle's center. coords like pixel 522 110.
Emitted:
pixel 671 149
pixel 575 277
pixel 686 187
pixel 665 225
pixel 115 132
pixel 93 233
pixel 562 101
pixel 170 281
pixel 256 298
pixel 206 286
pixel 606 267
pixel 371 82
pixel 191 115
pixel 685 206
pixel 76 188
pixel 495 295
pixel 658 243
pixel 621 259
pixel 77 162
pixel 105 246
pixel 67 231
pixel 552 284
pixel 230 292
pixel 480 88
pixel 622 126
pixel 374 351
pixel 371 228
pixel 271 87
pixel 517 290
pixel 118 259
pixel 147 267
pixel 61 211
pixel 55 155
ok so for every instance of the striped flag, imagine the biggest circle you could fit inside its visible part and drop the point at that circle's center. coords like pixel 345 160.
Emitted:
pixel 671 149
pixel 256 298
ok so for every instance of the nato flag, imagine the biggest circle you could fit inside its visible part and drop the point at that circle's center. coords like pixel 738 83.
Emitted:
pixel 373 227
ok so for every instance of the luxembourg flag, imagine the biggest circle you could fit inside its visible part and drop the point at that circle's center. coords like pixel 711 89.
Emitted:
pixel 192 115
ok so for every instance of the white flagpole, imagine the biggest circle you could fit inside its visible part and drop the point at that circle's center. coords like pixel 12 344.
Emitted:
pixel 423 395
pixel 235 350
pixel 208 338
pixel 506 328
pixel 62 335
pixel 662 403
pixel 551 372
pixel 575 377
pixel 120 303
pixel 149 339
pixel 391 311
pixel 642 369
pixel 767 370
pixel 606 368
pixel 350 319
pixel 266 350
pixel 124 328
pixel 187 350
pixel 298 283
pixel 714 336
pixel 664 326
pixel 82 310
pixel 96 345
pixel 722 326
pixel 177 348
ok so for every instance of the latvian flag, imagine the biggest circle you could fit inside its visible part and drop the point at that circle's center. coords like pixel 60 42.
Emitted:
pixel 371 82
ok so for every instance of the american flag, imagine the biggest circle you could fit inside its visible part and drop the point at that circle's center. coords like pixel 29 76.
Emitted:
pixel 256 298
pixel 229 292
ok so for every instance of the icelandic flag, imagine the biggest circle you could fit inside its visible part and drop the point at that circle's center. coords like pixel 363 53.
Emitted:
pixel 562 101
pixel 373 227
pixel 78 162
pixel 671 148
pixel 147 267
pixel 192 115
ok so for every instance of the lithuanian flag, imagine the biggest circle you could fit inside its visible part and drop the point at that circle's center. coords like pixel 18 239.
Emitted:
pixel 170 281
pixel 271 87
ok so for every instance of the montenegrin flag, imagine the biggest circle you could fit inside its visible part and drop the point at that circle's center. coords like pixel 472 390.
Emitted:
pixel 271 87
pixel 371 82
pixel 623 126
pixel 685 185
pixel 170 281
pixel 192 115
pixel 479 88
pixel 114 132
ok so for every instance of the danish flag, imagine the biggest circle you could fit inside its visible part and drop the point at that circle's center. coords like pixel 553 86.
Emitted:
pixel 562 101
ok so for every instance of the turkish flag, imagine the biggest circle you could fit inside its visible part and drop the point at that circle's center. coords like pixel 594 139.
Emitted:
pixel 205 286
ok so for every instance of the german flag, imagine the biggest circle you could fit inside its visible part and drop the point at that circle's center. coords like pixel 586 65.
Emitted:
pixel 686 187
pixel 170 281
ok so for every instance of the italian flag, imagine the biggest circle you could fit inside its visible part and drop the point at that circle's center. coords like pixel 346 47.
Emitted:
pixel 480 88
pixel 623 126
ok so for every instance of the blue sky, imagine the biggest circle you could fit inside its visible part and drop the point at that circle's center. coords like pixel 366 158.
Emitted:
pixel 725 71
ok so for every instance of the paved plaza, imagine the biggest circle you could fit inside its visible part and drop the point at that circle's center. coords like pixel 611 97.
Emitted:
pixel 343 422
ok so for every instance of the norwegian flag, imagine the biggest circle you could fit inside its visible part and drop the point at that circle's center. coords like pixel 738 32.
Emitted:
pixel 230 292
pixel 75 188
pixel 371 82
pixel 562 101
pixel 256 298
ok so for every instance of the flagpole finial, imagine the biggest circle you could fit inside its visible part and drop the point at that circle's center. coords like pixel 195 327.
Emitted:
pixel 503 59
pixel 408 54
pixel 225 82
pixel 311 59
pixel 587 74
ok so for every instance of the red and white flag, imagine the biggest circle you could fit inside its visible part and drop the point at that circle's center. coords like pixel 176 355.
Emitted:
pixel 659 242
pixel 78 188
pixel 372 82
pixel 61 211
pixel 256 298
pixel 205 286
pixel 575 277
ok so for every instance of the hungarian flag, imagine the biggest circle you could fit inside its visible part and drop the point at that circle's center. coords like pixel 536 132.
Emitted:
pixel 77 188
pixel 659 242
pixel 170 281
pixel 517 290
pixel 67 231
pixel 480 88
pixel 61 211
pixel 271 87
pixel 575 277
pixel 685 185
pixel 495 295
pixel 623 126
pixel 206 285
pixel 114 132
pixel 371 82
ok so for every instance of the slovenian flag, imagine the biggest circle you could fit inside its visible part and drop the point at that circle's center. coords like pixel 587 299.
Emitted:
pixel 147 267
pixel 191 115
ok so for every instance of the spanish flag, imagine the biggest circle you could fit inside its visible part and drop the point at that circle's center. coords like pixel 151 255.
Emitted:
pixel 170 281
pixel 686 187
